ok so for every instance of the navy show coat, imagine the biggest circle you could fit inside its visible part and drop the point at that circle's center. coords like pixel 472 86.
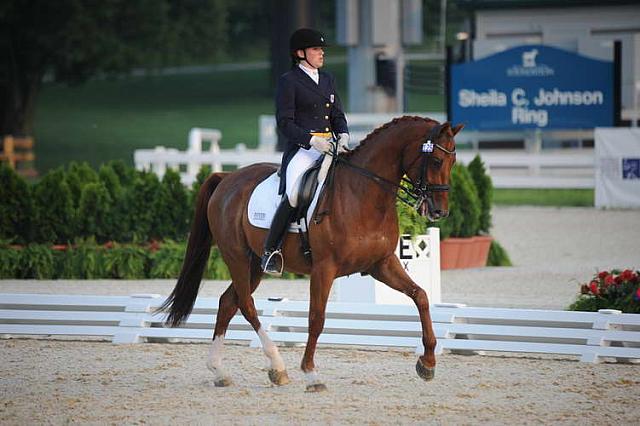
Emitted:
pixel 302 107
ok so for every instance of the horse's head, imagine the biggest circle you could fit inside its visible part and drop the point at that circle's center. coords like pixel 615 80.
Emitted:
pixel 427 162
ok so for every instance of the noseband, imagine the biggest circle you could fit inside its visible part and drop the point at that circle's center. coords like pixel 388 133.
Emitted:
pixel 418 193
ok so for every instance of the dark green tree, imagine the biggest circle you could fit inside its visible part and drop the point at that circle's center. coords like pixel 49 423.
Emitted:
pixel 78 176
pixel 464 206
pixel 142 201
pixel 94 212
pixel 116 225
pixel 54 213
pixel 484 187
pixel 173 207
pixel 16 207
pixel 73 40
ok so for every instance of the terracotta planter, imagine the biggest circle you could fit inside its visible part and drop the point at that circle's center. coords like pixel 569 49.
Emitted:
pixel 460 253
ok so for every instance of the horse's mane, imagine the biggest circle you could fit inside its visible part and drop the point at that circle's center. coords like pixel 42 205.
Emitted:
pixel 392 123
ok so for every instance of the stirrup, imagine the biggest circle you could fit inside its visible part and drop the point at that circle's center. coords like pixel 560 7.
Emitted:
pixel 272 263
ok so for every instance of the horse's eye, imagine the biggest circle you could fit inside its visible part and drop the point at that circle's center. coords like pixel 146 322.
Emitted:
pixel 437 162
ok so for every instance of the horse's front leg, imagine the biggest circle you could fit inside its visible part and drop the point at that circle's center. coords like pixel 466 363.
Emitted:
pixel 321 281
pixel 390 271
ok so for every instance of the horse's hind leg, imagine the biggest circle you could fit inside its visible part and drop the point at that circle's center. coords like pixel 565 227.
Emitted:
pixel 391 272
pixel 227 308
pixel 277 371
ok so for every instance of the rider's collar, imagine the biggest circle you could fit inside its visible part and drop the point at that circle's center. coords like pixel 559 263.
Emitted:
pixel 311 72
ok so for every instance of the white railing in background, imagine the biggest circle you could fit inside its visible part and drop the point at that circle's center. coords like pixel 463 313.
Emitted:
pixel 593 336
pixel 531 168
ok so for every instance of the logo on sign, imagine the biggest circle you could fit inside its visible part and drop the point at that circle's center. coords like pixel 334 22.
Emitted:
pixel 631 168
pixel 529 67
pixel 529 58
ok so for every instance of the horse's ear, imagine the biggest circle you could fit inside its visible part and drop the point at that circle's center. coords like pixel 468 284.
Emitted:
pixel 445 127
pixel 457 129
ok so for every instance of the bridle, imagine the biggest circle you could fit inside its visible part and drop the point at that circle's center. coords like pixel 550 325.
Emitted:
pixel 415 193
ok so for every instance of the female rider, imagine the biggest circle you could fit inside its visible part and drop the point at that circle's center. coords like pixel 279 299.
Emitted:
pixel 308 113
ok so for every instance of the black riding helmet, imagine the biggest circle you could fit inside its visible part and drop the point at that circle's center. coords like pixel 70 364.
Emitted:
pixel 304 38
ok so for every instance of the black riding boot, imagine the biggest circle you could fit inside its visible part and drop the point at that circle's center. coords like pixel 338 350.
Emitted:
pixel 272 262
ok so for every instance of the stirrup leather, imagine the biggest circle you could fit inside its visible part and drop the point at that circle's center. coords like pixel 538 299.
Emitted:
pixel 273 263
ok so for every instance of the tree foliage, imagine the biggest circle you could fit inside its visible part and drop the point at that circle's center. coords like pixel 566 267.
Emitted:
pixel 73 40
pixel 484 186
pixel 16 207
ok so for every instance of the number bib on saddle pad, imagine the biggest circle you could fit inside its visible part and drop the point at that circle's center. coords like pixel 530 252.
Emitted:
pixel 265 200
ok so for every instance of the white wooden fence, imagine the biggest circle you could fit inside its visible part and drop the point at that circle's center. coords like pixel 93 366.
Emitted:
pixel 130 319
pixel 549 168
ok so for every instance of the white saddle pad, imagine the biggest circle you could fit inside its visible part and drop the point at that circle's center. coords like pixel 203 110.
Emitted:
pixel 265 200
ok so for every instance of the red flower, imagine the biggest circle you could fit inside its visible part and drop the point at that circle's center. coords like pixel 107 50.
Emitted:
pixel 637 295
pixel 584 289
pixel 603 274
pixel 627 275
pixel 619 280
pixel 608 280
pixel 594 288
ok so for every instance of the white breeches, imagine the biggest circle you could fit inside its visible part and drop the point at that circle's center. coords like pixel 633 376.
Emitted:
pixel 300 162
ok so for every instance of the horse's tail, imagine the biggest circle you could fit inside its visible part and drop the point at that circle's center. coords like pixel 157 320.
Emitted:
pixel 180 302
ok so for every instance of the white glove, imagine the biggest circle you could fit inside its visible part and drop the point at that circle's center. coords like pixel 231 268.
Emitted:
pixel 343 143
pixel 321 144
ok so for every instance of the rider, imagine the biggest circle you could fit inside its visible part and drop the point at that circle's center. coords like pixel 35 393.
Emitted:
pixel 309 114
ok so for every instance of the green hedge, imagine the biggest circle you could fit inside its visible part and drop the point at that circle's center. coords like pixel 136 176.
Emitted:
pixel 92 261
pixel 83 209
pixel 70 204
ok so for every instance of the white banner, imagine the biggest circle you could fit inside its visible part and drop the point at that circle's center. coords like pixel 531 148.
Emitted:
pixel 617 167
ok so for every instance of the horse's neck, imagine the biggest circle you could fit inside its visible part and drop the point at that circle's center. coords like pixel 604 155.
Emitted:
pixel 383 155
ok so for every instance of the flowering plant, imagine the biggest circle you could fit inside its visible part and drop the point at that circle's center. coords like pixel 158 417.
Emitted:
pixel 613 289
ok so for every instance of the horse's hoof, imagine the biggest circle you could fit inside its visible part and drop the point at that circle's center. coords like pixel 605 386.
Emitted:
pixel 278 377
pixel 316 387
pixel 222 382
pixel 424 372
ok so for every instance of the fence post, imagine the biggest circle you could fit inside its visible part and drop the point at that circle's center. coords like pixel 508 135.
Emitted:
pixel 136 317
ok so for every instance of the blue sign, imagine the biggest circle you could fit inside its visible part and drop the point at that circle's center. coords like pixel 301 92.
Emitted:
pixel 531 87
pixel 631 168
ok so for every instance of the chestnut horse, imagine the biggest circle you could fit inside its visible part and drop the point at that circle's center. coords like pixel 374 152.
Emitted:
pixel 359 234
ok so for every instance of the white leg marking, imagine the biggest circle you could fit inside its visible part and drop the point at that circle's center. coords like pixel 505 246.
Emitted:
pixel 214 361
pixel 312 378
pixel 271 351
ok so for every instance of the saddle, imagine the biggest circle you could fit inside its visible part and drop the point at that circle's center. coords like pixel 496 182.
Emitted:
pixel 307 190
pixel 265 199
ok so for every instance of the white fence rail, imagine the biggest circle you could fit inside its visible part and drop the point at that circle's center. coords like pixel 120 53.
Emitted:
pixel 591 336
pixel 549 168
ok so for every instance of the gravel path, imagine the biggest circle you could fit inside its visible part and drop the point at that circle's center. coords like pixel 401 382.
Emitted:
pixel 92 382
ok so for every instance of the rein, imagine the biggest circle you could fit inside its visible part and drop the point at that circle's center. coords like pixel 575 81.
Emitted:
pixel 419 192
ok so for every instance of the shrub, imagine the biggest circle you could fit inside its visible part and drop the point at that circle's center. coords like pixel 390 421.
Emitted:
pixel 9 262
pixel 484 188
pixel 16 207
pixel 116 225
pixel 126 262
pixel 36 261
pixel 78 176
pixel 464 206
pixel 498 255
pixel 613 289
pixel 172 208
pixel 94 212
pixel 85 261
pixel 167 261
pixel 53 209
pixel 142 201
pixel 202 175
pixel 126 174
